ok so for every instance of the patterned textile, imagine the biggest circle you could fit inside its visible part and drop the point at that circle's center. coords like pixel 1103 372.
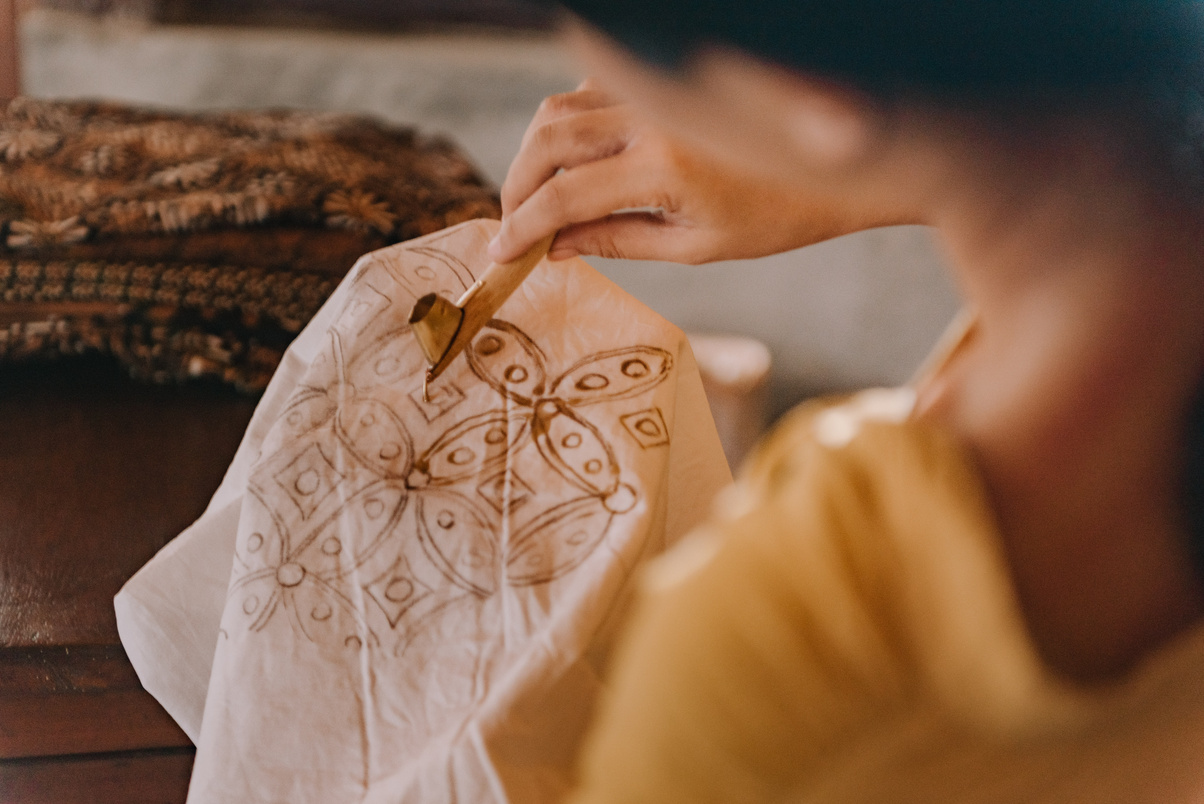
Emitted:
pixel 199 245
pixel 408 600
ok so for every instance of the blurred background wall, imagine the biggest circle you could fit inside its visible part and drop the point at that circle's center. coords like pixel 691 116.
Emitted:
pixel 860 310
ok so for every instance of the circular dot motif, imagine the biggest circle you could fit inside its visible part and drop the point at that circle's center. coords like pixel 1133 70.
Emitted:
pixel 294 418
pixel 446 520
pixel 577 539
pixel 290 574
pixel 374 508
pixel 621 500
pixel 635 368
pixel 593 467
pixel 461 456
pixel 496 435
pixel 399 590
pixel 571 441
pixel 254 542
pixel 489 345
pixel 592 382
pixel 250 604
pixel 389 451
pixel 321 612
pixel 547 409
pixel 367 420
pixel 386 365
pixel 515 373
pixel 353 642
pixel 425 272
pixel 332 546
pixel 307 482
pixel 418 479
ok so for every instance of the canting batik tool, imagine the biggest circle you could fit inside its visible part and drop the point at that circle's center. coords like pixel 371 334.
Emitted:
pixel 443 328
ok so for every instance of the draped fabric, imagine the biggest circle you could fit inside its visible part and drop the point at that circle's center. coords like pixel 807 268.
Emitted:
pixel 412 600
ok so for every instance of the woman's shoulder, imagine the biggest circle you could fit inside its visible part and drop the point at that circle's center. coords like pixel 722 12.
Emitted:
pixel 864 466
pixel 877 528
pixel 845 629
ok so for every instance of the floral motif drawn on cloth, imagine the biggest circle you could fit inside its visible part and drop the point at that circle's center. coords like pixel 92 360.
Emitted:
pixel 371 513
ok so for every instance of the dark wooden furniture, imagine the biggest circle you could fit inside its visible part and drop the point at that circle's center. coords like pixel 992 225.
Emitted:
pixel 96 474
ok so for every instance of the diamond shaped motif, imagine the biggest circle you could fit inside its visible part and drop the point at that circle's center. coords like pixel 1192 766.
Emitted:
pixel 444 396
pixel 397 591
pixel 308 479
pixel 647 427
pixel 493 489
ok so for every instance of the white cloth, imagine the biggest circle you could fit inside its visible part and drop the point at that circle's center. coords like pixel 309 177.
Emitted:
pixel 410 602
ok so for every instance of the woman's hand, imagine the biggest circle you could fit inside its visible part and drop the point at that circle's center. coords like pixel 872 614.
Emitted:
pixel 585 157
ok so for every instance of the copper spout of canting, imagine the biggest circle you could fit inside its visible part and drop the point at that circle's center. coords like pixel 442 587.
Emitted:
pixel 435 322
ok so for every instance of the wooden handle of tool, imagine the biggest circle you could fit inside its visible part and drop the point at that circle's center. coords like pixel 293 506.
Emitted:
pixel 495 285
pixel 499 281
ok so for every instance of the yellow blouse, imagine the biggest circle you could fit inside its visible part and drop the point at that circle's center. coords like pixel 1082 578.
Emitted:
pixel 845 630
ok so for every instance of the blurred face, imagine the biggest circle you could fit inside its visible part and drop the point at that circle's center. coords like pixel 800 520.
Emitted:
pixel 765 118
pixel 1089 291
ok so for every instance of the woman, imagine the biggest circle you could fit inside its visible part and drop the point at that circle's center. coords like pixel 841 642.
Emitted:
pixel 989 589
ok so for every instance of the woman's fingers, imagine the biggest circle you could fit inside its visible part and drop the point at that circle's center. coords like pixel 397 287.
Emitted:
pixel 587 192
pixel 631 236
pixel 565 143
pixel 584 157
pixel 554 107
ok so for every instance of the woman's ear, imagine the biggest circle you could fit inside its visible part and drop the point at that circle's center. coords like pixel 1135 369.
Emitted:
pixel 836 127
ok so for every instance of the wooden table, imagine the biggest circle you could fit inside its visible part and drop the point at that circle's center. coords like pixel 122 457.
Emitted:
pixel 96 474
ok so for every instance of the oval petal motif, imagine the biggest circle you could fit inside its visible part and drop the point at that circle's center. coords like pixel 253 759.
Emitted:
pixel 307 411
pixel 459 540
pixel 353 532
pixel 391 359
pixel 293 598
pixel 261 540
pixel 557 541
pixel 425 269
pixel 323 370
pixel 614 375
pixel 574 448
pixel 252 600
pixel 472 446
pixel 376 436
pixel 508 360
pixel 325 614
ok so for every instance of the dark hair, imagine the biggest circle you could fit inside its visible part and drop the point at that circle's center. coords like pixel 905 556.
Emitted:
pixel 934 46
